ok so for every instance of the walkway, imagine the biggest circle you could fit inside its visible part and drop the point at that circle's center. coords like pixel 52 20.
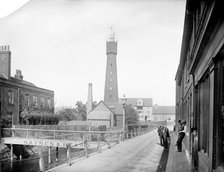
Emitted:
pixel 177 161
pixel 138 154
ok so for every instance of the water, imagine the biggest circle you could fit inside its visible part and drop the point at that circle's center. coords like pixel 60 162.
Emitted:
pixel 32 164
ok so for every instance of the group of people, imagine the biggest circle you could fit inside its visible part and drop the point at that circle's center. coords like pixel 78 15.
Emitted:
pixel 164 136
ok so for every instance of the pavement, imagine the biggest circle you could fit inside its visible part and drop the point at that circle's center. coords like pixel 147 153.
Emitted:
pixel 177 161
pixel 142 153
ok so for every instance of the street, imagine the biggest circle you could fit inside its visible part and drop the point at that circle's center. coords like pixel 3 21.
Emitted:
pixel 142 153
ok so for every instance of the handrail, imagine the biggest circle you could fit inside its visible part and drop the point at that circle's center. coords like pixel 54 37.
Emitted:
pixel 65 131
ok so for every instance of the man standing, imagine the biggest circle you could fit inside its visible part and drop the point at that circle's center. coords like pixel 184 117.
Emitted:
pixel 181 136
pixel 160 133
pixel 166 137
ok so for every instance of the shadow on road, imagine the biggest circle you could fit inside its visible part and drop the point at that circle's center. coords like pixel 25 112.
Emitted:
pixel 163 161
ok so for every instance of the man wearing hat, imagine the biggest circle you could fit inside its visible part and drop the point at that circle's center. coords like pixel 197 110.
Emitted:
pixel 181 136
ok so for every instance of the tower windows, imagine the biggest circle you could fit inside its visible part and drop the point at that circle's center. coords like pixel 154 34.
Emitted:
pixel 111 64
pixel 111 72
pixel 111 88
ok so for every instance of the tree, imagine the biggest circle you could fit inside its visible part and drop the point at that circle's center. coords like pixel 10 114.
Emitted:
pixel 131 115
pixel 67 113
pixel 81 110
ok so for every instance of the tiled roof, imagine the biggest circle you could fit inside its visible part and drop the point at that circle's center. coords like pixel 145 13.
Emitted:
pixel 116 108
pixel 159 110
pixel 22 81
pixel 15 80
pixel 133 101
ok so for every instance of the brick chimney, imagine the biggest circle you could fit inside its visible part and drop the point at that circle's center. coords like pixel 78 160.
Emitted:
pixel 5 61
pixel 90 99
pixel 18 74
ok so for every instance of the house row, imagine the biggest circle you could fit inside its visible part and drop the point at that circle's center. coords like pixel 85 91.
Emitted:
pixel 200 84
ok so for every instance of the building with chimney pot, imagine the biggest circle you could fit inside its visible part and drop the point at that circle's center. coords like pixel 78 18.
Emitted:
pixel 16 94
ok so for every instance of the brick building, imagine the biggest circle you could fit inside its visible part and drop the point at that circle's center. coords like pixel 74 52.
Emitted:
pixel 17 94
pixel 200 84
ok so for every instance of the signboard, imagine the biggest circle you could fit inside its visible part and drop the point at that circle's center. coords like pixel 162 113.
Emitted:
pixel 41 142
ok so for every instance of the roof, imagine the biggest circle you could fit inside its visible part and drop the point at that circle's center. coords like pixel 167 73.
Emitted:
pixel 116 108
pixel 101 102
pixel 133 101
pixel 159 110
pixel 22 81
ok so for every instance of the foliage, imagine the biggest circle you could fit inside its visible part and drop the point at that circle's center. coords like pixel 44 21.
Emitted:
pixel 81 110
pixel 34 116
pixel 131 115
pixel 67 114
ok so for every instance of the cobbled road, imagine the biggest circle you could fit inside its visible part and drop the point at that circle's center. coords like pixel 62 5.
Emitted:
pixel 142 153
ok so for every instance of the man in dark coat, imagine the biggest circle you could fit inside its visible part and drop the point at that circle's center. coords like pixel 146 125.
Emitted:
pixel 166 136
pixel 181 136
pixel 160 133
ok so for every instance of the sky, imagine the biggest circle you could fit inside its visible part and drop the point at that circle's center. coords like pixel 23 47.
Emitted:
pixel 61 45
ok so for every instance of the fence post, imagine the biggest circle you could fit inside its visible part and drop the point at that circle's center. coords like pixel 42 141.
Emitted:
pixel 56 154
pixel 13 133
pixel 69 154
pixel 41 160
pixel 118 138
pixel 11 153
pixel 98 143
pixel 85 146
pixel 49 155
pixel 108 143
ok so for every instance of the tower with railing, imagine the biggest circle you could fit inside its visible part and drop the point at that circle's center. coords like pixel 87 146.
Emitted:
pixel 111 86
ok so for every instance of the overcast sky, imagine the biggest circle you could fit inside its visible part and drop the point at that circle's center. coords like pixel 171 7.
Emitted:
pixel 61 45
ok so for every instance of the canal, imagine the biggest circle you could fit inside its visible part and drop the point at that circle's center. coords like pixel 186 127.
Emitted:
pixel 32 164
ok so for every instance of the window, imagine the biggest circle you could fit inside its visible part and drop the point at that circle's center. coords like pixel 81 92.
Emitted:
pixel 27 99
pixel 111 88
pixel 48 102
pixel 204 100
pixel 111 64
pixel 111 72
pixel 111 80
pixel 34 101
pixel 42 102
pixel 10 97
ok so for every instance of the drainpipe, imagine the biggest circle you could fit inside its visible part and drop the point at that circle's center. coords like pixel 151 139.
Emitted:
pixel 18 102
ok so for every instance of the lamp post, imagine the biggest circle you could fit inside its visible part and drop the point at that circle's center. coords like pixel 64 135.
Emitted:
pixel 124 100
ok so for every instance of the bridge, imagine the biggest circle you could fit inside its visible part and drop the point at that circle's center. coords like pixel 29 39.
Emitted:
pixel 71 141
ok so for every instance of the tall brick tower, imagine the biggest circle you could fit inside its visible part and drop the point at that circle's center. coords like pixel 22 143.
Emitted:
pixel 111 87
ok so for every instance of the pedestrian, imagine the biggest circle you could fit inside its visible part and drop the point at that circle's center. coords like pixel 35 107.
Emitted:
pixel 181 136
pixel 160 130
pixel 166 137
pixel 179 128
